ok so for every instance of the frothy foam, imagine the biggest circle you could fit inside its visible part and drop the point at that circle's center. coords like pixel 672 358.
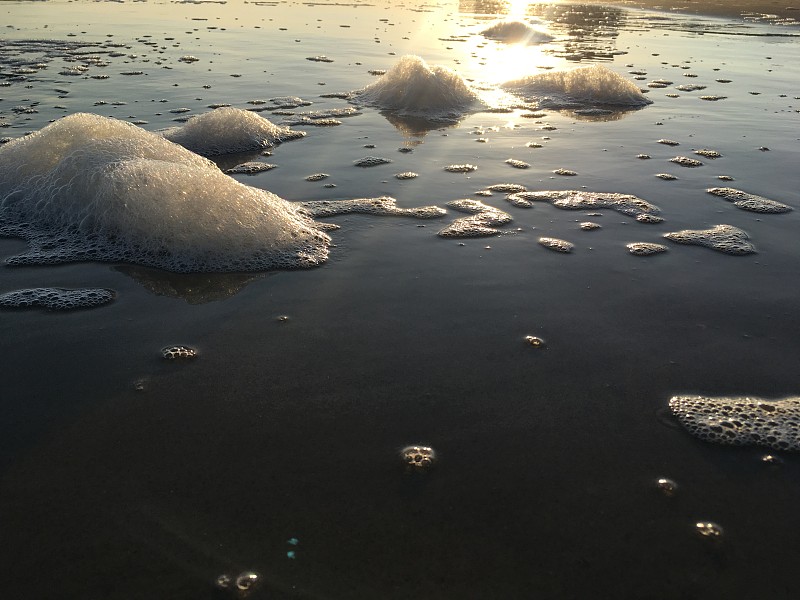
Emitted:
pixel 741 421
pixel 585 86
pixel 516 32
pixel 626 204
pixel 413 88
pixel 750 202
pixel 92 188
pixel 229 130
pixel 723 238
pixel 482 220
pixel 56 298
pixel 384 205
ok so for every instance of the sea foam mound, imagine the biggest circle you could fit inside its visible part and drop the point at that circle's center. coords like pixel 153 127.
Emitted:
pixel 92 188
pixel 516 32
pixel 595 85
pixel 227 130
pixel 57 298
pixel 413 88
pixel 741 421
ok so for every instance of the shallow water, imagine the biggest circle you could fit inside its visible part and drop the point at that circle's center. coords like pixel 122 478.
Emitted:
pixel 124 475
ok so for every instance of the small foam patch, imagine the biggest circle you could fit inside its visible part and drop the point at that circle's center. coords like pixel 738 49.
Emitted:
pixel 57 298
pixel 685 161
pixel 750 202
pixel 229 130
pixel 626 204
pixel 557 245
pixel 516 32
pixel 371 161
pixel 250 168
pixel 413 88
pixel 595 85
pixel 645 248
pixel 482 220
pixel 723 238
pixel 741 421
pixel 383 205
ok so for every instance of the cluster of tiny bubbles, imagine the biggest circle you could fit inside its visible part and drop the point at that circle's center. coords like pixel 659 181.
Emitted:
pixel 508 188
pixel 178 352
pixel 371 161
pixel 771 459
pixel 750 202
pixel 250 168
pixel 741 421
pixel 482 220
pixel 589 226
pixel 241 585
pixel 667 486
pixel 666 176
pixel 645 248
pixel 643 156
pixel 57 298
pixel 317 177
pixel 648 218
pixel 707 153
pixel 712 98
pixel 406 175
pixel 465 168
pixel 228 130
pixel 418 458
pixel 708 530
pixel 668 142
pixel 565 172
pixel 723 238
pixel 534 341
pixel 626 204
pixel 685 161
pixel 556 244
pixel 517 164
pixel 383 205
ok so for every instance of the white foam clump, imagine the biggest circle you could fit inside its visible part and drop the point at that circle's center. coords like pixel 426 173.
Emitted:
pixel 723 238
pixel 584 86
pixel 627 204
pixel 384 205
pixel 741 421
pixel 56 298
pixel 92 188
pixel 516 32
pixel 482 221
pixel 751 202
pixel 228 130
pixel 413 88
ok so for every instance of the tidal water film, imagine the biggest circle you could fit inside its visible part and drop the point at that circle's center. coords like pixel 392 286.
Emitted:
pixel 399 300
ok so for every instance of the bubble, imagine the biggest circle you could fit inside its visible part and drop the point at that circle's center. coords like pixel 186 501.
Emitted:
pixel 371 161
pixel 771 459
pixel 645 248
pixel 250 168
pixel 223 582
pixel 685 161
pixel 228 130
pixel 246 581
pixel 556 244
pixel 178 352
pixel 466 168
pixel 723 238
pixel 709 530
pixel 667 486
pixel 740 421
pixel 418 457
pixel 585 86
pixel 750 202
pixel 534 341
pixel 626 204
pixel 482 220
pixel 517 164
pixel 57 298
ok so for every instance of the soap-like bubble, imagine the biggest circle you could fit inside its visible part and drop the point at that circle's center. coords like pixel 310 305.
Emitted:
pixel 418 457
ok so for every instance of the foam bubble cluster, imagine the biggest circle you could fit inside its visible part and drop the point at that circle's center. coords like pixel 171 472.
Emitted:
pixel 741 421
pixel 626 204
pixel 586 86
pixel 228 130
pixel 56 298
pixel 92 188
pixel 556 244
pixel 750 202
pixel 645 248
pixel 384 205
pixel 413 88
pixel 516 32
pixel 723 238
pixel 482 220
